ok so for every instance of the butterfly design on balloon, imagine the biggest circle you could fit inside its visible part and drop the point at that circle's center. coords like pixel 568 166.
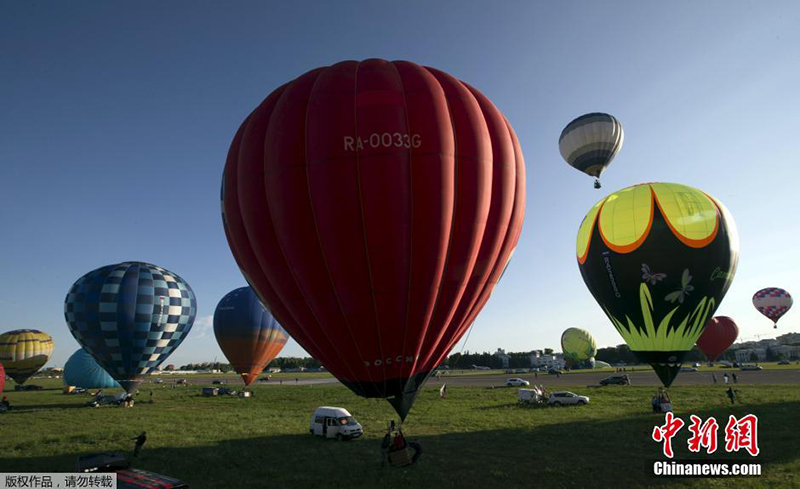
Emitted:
pixel 651 277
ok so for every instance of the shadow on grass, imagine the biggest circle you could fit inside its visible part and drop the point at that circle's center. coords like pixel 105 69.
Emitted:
pixel 608 453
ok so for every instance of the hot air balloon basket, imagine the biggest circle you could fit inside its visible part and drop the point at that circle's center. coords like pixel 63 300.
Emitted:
pixel 400 457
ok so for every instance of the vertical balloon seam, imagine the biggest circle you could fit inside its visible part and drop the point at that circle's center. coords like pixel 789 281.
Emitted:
pixel 319 326
pixel 513 232
pixel 480 300
pixel 419 362
pixel 495 202
pixel 300 289
pixel 280 246
pixel 366 240
pixel 406 371
pixel 424 337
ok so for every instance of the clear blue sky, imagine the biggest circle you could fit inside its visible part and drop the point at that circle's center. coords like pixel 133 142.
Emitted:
pixel 115 119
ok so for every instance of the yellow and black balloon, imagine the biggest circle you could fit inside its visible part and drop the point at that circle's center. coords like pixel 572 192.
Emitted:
pixel 658 258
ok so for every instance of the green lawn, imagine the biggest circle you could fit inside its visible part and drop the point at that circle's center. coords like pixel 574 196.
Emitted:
pixel 475 438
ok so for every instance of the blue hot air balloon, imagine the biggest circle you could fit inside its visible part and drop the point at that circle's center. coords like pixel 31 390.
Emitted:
pixel 130 317
pixel 82 371
pixel 247 333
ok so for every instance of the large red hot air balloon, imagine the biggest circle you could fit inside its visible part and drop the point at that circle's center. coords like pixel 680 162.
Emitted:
pixel 719 335
pixel 2 378
pixel 373 206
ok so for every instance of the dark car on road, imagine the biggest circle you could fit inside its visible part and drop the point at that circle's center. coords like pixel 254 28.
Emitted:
pixel 616 380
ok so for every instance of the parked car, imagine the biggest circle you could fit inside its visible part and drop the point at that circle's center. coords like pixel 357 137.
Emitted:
pixel 529 396
pixel 334 422
pixel 553 371
pixel 158 381
pixel 563 398
pixel 784 362
pixel 688 369
pixel 516 382
pixel 751 367
pixel 509 371
pixel 182 382
pixel 616 380
pixel 520 371
pixel 219 382
pixel 696 365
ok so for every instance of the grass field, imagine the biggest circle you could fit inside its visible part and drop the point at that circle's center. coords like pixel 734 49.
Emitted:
pixel 476 437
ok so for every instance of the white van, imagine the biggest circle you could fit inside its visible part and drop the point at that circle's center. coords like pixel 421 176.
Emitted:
pixel 334 422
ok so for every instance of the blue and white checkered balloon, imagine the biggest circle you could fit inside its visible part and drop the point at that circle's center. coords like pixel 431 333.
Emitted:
pixel 130 317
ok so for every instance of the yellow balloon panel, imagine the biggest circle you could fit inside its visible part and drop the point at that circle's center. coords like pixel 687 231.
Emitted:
pixel 626 217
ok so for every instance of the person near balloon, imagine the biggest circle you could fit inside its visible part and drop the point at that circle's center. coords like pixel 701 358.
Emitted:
pixel 725 378
pixel 385 444
pixel 714 378
pixel 140 440
pixel 731 394
pixel 735 378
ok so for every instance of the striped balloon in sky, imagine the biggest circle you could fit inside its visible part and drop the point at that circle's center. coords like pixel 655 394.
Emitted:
pixel 130 317
pixel 249 336
pixel 590 142
pixel 23 352
pixel 81 370
pixel 773 302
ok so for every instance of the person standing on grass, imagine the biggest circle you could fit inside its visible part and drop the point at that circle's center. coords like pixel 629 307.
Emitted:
pixel 714 377
pixel 385 444
pixel 725 377
pixel 731 394
pixel 735 379
pixel 139 443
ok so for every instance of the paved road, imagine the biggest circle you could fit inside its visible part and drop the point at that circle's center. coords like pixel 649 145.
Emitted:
pixel 641 376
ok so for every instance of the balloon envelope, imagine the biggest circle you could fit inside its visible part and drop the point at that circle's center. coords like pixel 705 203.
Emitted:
pixel 23 352
pixel 719 335
pixel 249 336
pixel 2 378
pixel 658 258
pixel 773 302
pixel 373 206
pixel 578 345
pixel 130 317
pixel 590 142
pixel 81 370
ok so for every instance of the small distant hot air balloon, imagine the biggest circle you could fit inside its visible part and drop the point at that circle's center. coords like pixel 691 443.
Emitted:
pixel 373 206
pixel 81 370
pixel 773 302
pixel 719 335
pixel 658 258
pixel 249 336
pixel 23 352
pixel 590 142
pixel 578 345
pixel 130 317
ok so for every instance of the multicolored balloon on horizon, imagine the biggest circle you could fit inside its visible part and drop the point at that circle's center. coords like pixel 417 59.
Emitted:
pixel 373 206
pixel 130 317
pixel 773 303
pixel 23 352
pixel 590 142
pixel 248 335
pixel 719 335
pixel 658 258
pixel 578 345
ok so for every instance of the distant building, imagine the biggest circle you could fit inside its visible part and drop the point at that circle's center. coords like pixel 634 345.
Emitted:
pixel 788 338
pixel 745 355
pixel 788 352
pixel 501 354
pixel 541 359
